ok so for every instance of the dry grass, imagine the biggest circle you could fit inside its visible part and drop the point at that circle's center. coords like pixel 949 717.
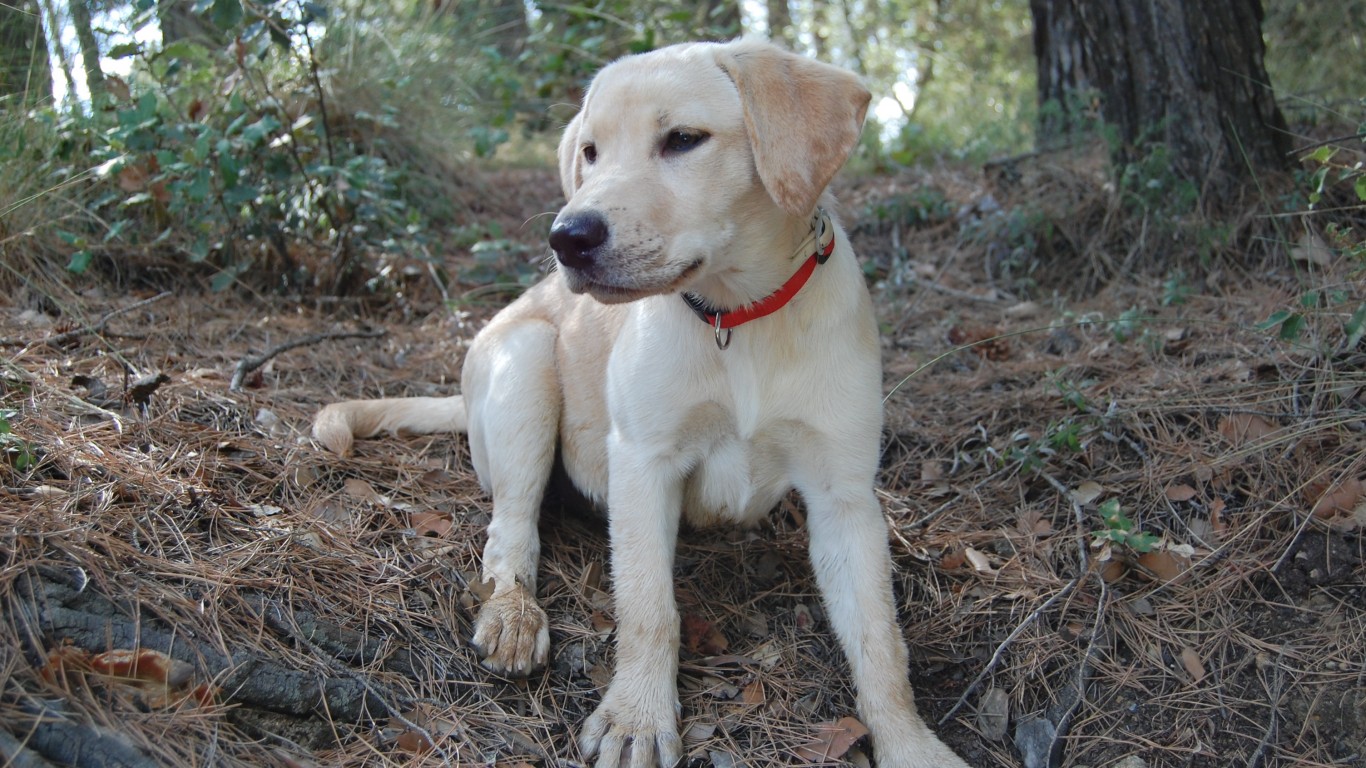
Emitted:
pixel 327 603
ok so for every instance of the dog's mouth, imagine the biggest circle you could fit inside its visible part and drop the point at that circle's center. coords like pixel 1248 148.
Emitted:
pixel 615 293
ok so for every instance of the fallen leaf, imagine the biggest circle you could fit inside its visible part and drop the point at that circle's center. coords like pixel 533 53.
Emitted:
pixel 979 561
pixel 753 694
pixel 1180 492
pixel 1239 429
pixel 1191 661
pixel 359 489
pixel 984 341
pixel 952 561
pixel 1113 571
pixel 701 636
pixel 993 714
pixel 1341 499
pixel 1313 249
pixel 1163 564
pixel 432 524
pixel 1087 492
pixel 833 740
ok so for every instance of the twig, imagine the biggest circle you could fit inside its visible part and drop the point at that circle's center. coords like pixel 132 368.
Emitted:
pixel 95 327
pixel 1274 703
pixel 1037 612
pixel 1005 644
pixel 252 362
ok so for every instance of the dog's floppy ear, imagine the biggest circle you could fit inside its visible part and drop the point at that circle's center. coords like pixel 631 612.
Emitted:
pixel 803 118
pixel 569 157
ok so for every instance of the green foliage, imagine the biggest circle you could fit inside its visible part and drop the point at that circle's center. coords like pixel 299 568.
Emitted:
pixel 1121 530
pixel 920 207
pixel 226 157
pixel 16 450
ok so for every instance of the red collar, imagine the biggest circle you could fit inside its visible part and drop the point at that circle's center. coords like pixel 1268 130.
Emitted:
pixel 823 233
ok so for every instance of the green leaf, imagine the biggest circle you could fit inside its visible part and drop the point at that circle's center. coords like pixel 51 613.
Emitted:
pixel 1322 154
pixel 1360 187
pixel 1291 328
pixel 1141 541
pixel 258 131
pixel 226 14
pixel 1356 327
pixel 124 50
pixel 1276 319
pixel 80 262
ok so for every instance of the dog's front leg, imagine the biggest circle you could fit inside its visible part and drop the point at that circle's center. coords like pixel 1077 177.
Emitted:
pixel 637 722
pixel 853 566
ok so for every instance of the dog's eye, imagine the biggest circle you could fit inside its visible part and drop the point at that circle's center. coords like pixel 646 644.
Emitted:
pixel 590 153
pixel 679 142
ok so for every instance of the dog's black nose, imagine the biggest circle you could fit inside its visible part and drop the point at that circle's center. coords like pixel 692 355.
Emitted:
pixel 575 238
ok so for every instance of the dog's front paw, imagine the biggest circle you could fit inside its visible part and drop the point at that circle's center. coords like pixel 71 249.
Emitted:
pixel 629 733
pixel 512 632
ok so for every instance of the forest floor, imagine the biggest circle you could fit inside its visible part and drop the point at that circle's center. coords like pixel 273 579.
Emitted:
pixel 1127 523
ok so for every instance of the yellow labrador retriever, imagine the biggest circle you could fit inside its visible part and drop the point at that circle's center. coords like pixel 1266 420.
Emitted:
pixel 706 344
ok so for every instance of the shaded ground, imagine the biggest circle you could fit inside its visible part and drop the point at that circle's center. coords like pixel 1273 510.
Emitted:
pixel 281 606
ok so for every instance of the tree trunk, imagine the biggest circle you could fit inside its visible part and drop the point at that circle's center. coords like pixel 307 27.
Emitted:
pixel 719 17
pixel 780 23
pixel 90 47
pixel 54 25
pixel 178 22
pixel 1187 74
pixel 24 67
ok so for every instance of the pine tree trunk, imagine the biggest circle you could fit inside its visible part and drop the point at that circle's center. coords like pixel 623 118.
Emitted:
pixel 780 23
pixel 54 25
pixel 90 47
pixel 1188 74
pixel 24 67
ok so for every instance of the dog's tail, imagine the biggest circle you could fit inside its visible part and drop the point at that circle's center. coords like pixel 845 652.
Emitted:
pixel 338 425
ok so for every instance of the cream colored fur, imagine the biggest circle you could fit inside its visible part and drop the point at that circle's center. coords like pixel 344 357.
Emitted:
pixel 656 422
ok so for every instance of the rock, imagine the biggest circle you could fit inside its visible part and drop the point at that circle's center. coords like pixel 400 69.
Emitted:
pixel 993 714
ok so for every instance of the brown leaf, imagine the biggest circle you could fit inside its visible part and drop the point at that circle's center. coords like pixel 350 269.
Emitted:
pixel 1239 429
pixel 143 666
pixel 133 178
pixel 984 341
pixel 701 636
pixel 359 489
pixel 952 561
pixel 833 740
pixel 601 623
pixel 1341 499
pixel 1163 564
pixel 1194 666
pixel 753 694
pixel 1180 492
pixel 431 524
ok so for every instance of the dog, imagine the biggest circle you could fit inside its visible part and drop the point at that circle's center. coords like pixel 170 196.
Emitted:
pixel 706 344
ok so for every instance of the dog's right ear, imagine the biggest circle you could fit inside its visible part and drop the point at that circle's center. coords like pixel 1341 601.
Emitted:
pixel 570 175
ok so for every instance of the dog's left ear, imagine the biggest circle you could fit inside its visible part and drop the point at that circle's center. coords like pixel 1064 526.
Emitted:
pixel 569 157
pixel 803 118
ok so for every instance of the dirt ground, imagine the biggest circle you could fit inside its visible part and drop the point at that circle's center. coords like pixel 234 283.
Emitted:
pixel 1127 523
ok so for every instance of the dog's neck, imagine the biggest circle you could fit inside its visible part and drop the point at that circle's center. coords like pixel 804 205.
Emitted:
pixel 813 251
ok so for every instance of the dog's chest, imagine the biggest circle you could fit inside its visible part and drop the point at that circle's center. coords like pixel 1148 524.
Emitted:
pixel 738 479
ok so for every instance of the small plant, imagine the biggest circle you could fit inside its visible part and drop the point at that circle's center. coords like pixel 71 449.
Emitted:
pixel 15 449
pixel 1119 529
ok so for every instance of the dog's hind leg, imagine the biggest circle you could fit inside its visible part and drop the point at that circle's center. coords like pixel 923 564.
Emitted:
pixel 513 396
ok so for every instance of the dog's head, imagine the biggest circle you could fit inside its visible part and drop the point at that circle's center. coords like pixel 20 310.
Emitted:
pixel 698 161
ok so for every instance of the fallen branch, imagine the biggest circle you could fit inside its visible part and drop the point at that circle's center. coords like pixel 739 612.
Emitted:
pixel 96 327
pixel 1034 615
pixel 252 362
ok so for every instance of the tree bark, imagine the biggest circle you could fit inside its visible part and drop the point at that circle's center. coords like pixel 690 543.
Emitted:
pixel 24 67
pixel 90 47
pixel 1187 74
pixel 780 23
pixel 54 25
